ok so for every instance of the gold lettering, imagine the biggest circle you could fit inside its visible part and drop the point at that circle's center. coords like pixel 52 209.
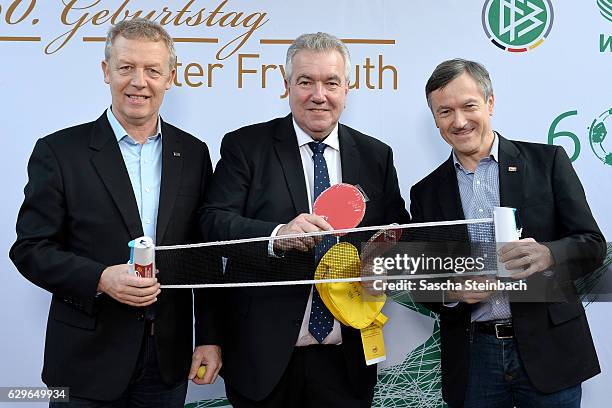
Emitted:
pixel 77 14
pixel 9 12
pixel 241 39
pixel 177 20
pixel 368 67
pixel 282 70
pixel 192 71
pixel 382 68
pixel 210 72
pixel 210 20
pixel 176 82
pixel 264 69
pixel 118 11
pixel 99 16
pixel 234 22
pixel 198 19
pixel 355 81
pixel 189 74
pixel 167 18
pixel 63 39
pixel 242 70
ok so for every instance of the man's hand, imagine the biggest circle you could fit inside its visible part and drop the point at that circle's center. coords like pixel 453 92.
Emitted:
pixel 525 257
pixel 368 272
pixel 125 288
pixel 469 296
pixel 301 224
pixel 209 356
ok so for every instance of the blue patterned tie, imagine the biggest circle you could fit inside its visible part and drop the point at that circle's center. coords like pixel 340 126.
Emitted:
pixel 321 320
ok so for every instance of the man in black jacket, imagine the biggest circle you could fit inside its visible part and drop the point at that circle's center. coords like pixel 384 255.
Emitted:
pixel 497 352
pixel 112 337
pixel 265 184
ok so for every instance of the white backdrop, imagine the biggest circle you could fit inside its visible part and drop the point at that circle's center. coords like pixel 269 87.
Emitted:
pixel 47 85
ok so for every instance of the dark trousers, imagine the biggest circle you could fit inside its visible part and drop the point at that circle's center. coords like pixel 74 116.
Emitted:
pixel 315 377
pixel 146 388
pixel 497 379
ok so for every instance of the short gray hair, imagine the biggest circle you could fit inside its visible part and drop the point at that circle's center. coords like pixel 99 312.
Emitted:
pixel 317 42
pixel 451 69
pixel 140 29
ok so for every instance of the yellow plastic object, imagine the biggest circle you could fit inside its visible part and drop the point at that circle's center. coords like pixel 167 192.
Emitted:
pixel 373 341
pixel 346 299
pixel 201 371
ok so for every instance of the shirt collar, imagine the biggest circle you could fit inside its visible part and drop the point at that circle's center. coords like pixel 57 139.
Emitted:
pixel 331 140
pixel 492 155
pixel 120 132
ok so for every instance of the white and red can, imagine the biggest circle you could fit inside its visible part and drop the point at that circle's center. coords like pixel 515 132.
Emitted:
pixel 142 257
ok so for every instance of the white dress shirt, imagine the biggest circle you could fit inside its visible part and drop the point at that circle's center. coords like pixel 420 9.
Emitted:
pixel 334 168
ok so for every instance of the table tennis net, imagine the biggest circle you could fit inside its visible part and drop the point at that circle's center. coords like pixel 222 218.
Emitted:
pixel 409 251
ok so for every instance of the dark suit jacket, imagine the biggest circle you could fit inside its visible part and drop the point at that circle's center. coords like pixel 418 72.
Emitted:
pixel 553 339
pixel 259 183
pixel 78 215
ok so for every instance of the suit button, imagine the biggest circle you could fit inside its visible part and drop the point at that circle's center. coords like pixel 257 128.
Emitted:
pixel 140 316
pixel 467 330
pixel 297 322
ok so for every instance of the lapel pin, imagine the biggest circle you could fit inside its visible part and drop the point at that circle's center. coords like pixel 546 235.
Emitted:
pixel 176 154
pixel 511 168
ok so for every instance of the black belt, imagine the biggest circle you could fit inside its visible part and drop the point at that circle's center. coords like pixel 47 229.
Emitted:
pixel 499 329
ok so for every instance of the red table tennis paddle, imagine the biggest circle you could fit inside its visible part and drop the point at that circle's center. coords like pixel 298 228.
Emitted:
pixel 381 242
pixel 342 205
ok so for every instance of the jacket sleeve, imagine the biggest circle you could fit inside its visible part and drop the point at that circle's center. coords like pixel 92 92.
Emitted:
pixel 582 248
pixel 221 217
pixel 395 207
pixel 207 301
pixel 40 252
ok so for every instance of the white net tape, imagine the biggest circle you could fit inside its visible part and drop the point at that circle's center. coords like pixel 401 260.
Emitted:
pixel 345 232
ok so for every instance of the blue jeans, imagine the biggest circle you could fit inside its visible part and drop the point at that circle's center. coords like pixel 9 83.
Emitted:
pixel 146 388
pixel 497 379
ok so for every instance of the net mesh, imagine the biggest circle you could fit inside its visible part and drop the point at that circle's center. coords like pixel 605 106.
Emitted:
pixel 419 250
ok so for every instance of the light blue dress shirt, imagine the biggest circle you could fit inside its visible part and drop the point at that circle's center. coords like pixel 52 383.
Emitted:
pixel 479 191
pixel 144 165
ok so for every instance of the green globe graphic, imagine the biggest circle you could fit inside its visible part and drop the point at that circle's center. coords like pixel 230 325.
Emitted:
pixel 605 8
pixel 415 382
pixel 597 137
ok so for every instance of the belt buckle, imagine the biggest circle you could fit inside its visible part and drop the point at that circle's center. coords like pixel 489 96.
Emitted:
pixel 497 335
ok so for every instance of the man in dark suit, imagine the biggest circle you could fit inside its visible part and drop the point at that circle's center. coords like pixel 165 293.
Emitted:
pixel 496 351
pixel 264 185
pixel 112 337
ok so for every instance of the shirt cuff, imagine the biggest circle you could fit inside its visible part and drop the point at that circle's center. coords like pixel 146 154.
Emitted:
pixel 271 243
pixel 450 304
